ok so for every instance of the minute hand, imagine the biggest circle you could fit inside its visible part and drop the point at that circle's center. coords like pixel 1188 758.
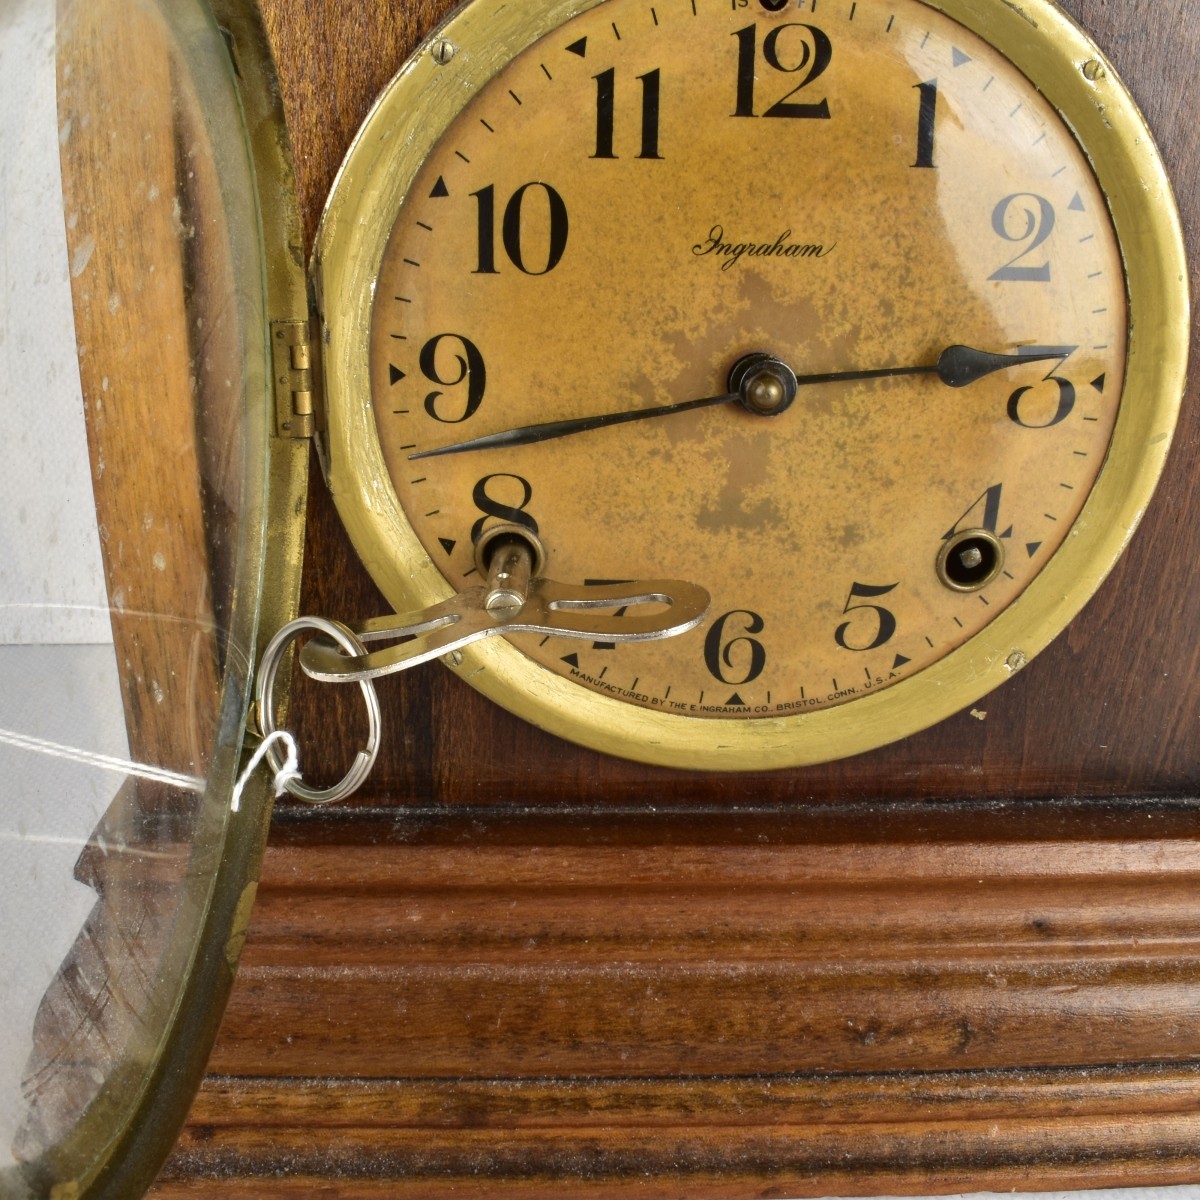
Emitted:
pixel 957 366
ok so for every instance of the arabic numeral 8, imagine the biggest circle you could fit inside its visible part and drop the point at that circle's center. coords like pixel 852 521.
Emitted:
pixel 492 495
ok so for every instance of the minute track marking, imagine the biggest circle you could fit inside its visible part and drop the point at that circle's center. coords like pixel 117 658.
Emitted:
pixel 956 367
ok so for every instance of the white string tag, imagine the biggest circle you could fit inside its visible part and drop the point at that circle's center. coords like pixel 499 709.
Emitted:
pixel 286 773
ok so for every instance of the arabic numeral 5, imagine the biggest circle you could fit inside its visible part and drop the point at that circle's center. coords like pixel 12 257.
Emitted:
pixel 870 625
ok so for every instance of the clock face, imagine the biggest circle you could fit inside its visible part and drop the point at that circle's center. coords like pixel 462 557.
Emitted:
pixel 638 209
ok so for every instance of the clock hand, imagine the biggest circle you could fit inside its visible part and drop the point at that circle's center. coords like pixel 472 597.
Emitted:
pixel 957 366
pixel 527 434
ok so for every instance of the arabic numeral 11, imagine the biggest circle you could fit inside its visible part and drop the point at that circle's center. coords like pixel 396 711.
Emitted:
pixel 606 113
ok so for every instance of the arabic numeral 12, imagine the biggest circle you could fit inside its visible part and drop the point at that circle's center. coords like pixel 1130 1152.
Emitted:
pixel 807 53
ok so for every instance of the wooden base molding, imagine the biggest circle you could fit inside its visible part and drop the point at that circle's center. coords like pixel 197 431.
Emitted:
pixel 705 1137
pixel 709 1020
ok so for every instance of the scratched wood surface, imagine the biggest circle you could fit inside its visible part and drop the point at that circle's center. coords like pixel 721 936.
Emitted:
pixel 518 968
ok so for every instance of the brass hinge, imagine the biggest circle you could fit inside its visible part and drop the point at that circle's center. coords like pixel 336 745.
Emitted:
pixel 295 379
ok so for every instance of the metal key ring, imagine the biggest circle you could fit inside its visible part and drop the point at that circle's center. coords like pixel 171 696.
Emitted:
pixel 264 690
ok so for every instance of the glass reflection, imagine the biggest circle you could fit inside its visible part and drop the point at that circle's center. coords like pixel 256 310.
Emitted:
pixel 128 277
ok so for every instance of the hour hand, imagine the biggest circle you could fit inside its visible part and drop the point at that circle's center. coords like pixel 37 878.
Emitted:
pixel 958 366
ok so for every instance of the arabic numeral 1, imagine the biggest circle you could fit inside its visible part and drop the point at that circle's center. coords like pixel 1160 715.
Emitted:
pixel 926 123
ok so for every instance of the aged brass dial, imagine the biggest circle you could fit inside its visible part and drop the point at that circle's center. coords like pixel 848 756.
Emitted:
pixel 825 306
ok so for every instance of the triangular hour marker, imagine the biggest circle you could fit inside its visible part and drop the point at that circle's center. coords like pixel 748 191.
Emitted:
pixel 579 47
pixel 1076 204
pixel 1007 533
pixel 447 544
pixel 735 701
pixel 572 660
pixel 901 661
pixel 395 375
pixel 440 190
pixel 957 57
pixel 1099 382
pixel 1033 548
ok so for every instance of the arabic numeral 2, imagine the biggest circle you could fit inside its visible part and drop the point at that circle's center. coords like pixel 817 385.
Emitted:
pixel 515 230
pixel 807 52
pixel 1023 217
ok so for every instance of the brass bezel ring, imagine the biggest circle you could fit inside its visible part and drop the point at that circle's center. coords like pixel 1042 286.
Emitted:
pixel 1067 68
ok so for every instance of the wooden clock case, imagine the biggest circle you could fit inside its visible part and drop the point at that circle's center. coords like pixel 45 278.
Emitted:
pixel 513 967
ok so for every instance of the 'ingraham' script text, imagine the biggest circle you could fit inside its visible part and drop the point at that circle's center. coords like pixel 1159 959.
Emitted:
pixel 782 247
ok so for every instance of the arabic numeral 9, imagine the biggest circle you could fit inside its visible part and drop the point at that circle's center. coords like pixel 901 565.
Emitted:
pixel 469 369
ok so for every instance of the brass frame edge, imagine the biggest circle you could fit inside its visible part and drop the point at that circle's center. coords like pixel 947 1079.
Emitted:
pixel 1051 51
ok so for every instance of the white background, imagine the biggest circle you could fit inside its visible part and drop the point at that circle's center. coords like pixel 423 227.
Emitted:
pixel 58 677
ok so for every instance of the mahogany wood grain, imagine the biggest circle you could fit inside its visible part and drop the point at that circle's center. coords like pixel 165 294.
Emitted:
pixel 517 968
